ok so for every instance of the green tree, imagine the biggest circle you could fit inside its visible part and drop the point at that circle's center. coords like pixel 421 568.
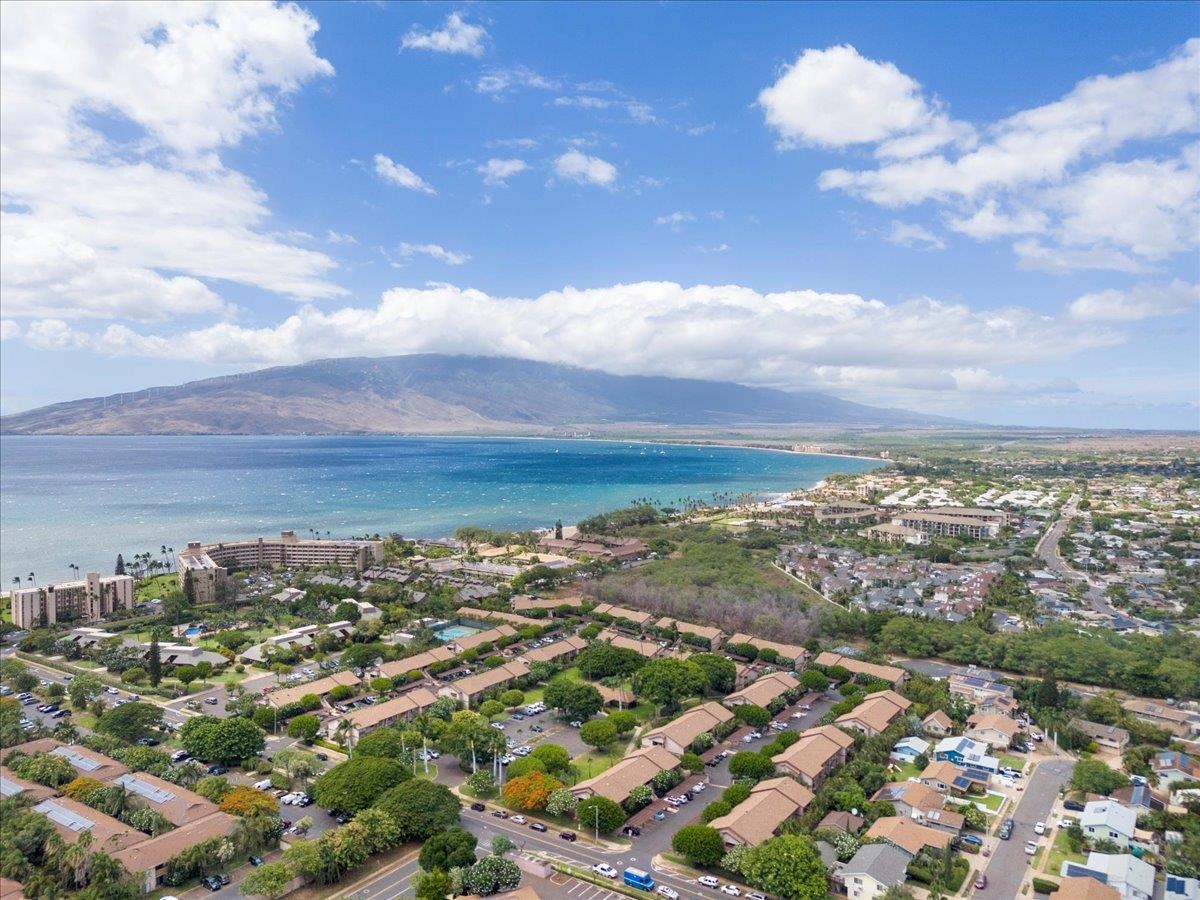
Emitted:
pixel 491 876
pixel 421 808
pixel 719 672
pixel 84 689
pixel 449 849
pixel 131 721
pixel 189 586
pixel 813 680
pixel 304 727
pixel 749 764
pixel 665 682
pixel 787 866
pixel 754 716
pixel 512 698
pixel 225 741
pixel 600 813
pixel 562 803
pixel 501 844
pixel 213 787
pixel 1047 693
pixel 268 881
pixel 1095 777
pixel 573 699
pixel 489 709
pixel 701 844
pixel 186 674
pixel 623 720
pixel 469 733
pixel 154 661
pixel 482 784
pixel 555 758
pixel 358 783
pixel 598 733
pixel 434 885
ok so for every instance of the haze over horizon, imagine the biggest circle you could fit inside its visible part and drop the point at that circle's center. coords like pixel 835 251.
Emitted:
pixel 984 212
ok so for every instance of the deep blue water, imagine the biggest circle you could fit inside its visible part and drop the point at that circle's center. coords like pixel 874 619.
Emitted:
pixel 82 500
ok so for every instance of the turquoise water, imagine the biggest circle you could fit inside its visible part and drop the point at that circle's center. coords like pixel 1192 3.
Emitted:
pixel 454 632
pixel 82 500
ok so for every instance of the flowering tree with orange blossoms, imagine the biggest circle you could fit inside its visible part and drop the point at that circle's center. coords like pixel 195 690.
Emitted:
pixel 531 791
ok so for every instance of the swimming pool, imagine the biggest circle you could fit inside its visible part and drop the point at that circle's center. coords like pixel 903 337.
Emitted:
pixel 193 631
pixel 454 632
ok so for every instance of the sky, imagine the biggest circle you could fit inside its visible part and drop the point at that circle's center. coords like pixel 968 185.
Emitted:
pixel 987 211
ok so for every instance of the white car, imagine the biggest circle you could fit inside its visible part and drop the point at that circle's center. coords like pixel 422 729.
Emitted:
pixel 700 787
pixel 499 726
pixel 731 890
pixel 1030 848
pixel 604 869
pixel 669 892
pixel 1039 828
pixel 112 691
pixel 708 881
pixel 518 820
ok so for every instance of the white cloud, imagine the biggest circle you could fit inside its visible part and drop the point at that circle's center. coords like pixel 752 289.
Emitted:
pixel 792 340
pixel 675 219
pixel 583 169
pixel 455 36
pixel 1143 301
pixel 400 175
pixel 838 98
pixel 434 251
pixel 715 248
pixel 498 82
pixel 498 171
pixel 698 130
pixel 338 237
pixel 909 234
pixel 1040 171
pixel 9 330
pixel 521 143
pixel 97 227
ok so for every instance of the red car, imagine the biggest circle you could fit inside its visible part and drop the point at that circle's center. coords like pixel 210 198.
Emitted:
pixel 980 882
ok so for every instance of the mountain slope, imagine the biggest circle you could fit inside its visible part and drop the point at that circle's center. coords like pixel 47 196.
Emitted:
pixel 432 393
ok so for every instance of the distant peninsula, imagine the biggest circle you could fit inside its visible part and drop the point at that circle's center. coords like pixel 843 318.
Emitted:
pixel 442 394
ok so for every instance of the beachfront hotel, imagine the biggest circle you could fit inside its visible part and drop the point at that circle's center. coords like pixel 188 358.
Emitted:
pixel 210 563
pixel 86 600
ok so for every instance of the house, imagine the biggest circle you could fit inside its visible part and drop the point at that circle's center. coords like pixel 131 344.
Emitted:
pixel 873 869
pixel 893 674
pixel 618 697
pixel 491 636
pixel 998 732
pixel 1179 888
pixel 319 688
pixel 1171 766
pixel 909 797
pixel 1177 721
pixel 818 752
pixel 148 860
pixel 559 651
pixel 875 713
pixel 909 748
pixel 524 603
pixel 708 633
pixel 763 691
pixel 418 663
pixel 648 649
pixel 383 715
pixel 70 819
pixel 947 778
pixel 790 654
pixel 175 804
pixel 841 821
pixel 84 761
pixel 491 615
pixel 1107 820
pixel 634 616
pixel 758 817
pixel 962 751
pixel 1109 736
pixel 1140 798
pixel 467 690
pixel 908 835
pixel 937 724
pixel 1085 888
pixel 976 689
pixel 1132 878
pixel 677 735
pixel 635 769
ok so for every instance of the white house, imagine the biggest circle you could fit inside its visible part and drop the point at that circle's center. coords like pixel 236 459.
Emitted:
pixel 1108 820
pixel 1132 878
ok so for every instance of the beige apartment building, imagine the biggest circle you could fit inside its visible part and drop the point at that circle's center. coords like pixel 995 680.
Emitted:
pixel 88 600
pixel 210 564
pixel 955 521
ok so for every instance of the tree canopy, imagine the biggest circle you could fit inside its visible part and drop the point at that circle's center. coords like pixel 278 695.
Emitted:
pixel 358 783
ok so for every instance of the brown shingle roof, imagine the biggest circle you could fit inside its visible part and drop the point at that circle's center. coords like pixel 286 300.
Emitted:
pixel 155 852
pixel 406 704
pixel 765 689
pixel 320 687
pixel 691 724
pixel 771 802
pixel 418 663
pixel 907 834
pixel 635 769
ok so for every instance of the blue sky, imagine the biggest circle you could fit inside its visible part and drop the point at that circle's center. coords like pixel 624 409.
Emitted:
pixel 987 211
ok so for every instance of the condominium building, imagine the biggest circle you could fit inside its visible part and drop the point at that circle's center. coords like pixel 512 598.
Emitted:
pixel 80 601
pixel 955 521
pixel 210 564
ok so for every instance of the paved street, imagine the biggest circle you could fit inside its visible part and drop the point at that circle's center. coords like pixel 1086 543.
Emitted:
pixel 1009 863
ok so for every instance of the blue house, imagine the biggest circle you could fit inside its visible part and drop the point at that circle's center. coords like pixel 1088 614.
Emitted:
pixel 909 748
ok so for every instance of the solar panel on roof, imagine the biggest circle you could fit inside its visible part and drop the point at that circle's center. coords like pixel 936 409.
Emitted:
pixel 143 789
pixel 62 816
pixel 9 788
pixel 79 762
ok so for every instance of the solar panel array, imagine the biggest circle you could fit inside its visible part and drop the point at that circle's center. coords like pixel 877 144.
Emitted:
pixel 83 763
pixel 9 788
pixel 146 790
pixel 62 816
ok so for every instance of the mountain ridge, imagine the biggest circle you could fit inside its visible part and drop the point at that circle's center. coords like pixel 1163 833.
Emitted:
pixel 440 394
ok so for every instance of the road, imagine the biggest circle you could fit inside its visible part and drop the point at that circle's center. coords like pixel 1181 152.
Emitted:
pixel 1009 864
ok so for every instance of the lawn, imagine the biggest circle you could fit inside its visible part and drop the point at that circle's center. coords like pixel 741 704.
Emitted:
pixel 1013 762
pixel 156 587
pixel 593 763
pixel 991 801
pixel 904 772
pixel 1060 852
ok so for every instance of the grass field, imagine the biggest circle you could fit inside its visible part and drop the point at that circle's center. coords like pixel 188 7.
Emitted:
pixel 905 772
pixel 1013 762
pixel 1060 852
pixel 158 586
pixel 593 763
pixel 991 801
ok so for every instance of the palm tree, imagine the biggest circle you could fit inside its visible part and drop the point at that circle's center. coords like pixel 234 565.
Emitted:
pixel 74 568
pixel 76 857
pixel 17 581
pixel 31 578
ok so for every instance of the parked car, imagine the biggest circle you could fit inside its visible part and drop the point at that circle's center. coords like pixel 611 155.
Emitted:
pixel 500 813
pixel 60 714
pixel 212 882
pixel 1030 848
pixel 659 816
pixel 1006 829
pixel 568 836
pixel 1039 828
pixel 536 728
pixel 519 820
pixel 111 690
pixel 211 701
pixel 731 890
pixel 973 839
pixel 669 892
pixel 576 724
pixel 148 742
pixel 225 879
pixel 217 770
pixel 981 882
pixel 256 861
pixel 1073 805
pixel 537 826
pixel 708 881
pixel 477 807
pixel 604 869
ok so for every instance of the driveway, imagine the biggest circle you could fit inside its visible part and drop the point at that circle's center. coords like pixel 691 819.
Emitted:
pixel 1009 864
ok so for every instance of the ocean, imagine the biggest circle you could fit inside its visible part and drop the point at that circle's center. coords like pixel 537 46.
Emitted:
pixel 83 500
